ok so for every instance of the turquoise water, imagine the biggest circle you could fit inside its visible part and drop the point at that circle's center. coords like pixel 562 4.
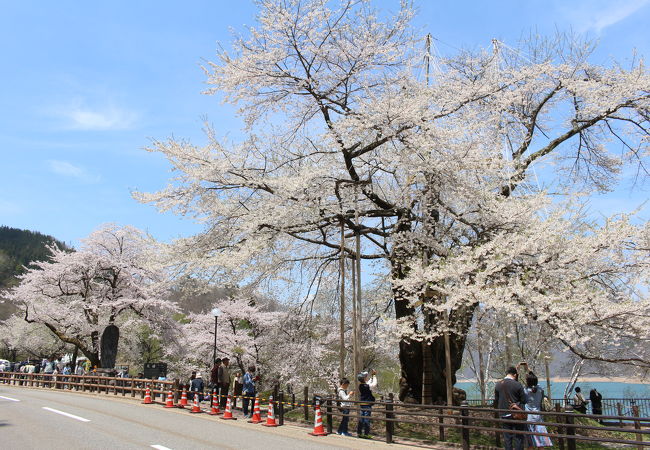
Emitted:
pixel 607 388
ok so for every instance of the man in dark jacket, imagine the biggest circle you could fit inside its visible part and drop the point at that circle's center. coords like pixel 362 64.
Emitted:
pixel 223 379
pixel 507 392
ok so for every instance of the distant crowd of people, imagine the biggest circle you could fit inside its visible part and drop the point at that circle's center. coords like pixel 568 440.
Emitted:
pixel 47 366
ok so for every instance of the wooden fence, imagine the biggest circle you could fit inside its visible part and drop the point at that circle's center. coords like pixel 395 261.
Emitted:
pixel 565 427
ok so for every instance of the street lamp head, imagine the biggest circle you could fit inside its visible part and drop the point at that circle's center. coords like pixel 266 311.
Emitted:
pixel 216 312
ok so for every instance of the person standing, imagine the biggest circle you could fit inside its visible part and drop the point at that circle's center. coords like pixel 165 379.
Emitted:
pixel 248 390
pixel 197 386
pixel 534 397
pixel 223 379
pixel 344 394
pixel 214 374
pixel 365 395
pixel 579 402
pixel 509 392
pixel 596 399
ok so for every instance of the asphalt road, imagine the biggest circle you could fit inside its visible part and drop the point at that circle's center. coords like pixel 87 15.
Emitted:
pixel 44 419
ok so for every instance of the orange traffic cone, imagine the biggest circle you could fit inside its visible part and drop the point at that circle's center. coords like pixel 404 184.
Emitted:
pixel 228 413
pixel 183 402
pixel 195 407
pixel 318 423
pixel 270 418
pixel 215 404
pixel 257 416
pixel 170 400
pixel 147 396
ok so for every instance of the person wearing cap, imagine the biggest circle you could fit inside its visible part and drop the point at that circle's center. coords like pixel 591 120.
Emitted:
pixel 365 395
pixel 223 379
pixel 197 386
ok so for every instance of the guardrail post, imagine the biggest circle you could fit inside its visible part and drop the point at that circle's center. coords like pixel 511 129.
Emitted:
pixel 389 415
pixel 293 401
pixel 441 428
pixel 570 430
pixel 464 413
pixel 637 426
pixel 306 404
pixel 280 408
pixel 132 387
pixel 328 413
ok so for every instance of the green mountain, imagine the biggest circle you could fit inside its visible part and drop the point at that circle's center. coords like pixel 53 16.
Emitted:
pixel 18 248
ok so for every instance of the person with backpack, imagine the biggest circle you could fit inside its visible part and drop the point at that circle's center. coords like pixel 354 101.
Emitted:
pixel 344 406
pixel 197 386
pixel 365 395
pixel 534 399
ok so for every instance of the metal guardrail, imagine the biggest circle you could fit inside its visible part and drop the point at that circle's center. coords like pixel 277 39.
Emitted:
pixel 563 425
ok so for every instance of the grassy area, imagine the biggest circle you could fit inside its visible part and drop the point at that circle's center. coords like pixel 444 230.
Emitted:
pixel 428 431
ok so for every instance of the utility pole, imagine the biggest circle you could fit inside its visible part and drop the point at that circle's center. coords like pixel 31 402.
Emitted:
pixel 355 313
pixel 342 305
pixel 358 286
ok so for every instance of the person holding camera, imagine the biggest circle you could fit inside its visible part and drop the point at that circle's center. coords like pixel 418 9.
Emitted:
pixel 365 395
pixel 344 394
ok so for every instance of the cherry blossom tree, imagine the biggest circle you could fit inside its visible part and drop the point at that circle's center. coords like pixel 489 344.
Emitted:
pixel 20 338
pixel 439 171
pixel 111 279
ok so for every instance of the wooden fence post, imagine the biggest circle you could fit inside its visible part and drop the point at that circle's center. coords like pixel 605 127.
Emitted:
pixel 570 431
pixel 328 412
pixel 306 404
pixel 619 412
pixel 441 429
pixel 280 407
pixel 498 425
pixel 637 426
pixel 465 422
pixel 176 388
pixel 389 415
pixel 560 429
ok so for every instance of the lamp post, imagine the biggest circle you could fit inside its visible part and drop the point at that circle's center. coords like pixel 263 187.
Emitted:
pixel 216 312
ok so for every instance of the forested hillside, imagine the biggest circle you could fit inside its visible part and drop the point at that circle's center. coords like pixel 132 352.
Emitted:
pixel 17 249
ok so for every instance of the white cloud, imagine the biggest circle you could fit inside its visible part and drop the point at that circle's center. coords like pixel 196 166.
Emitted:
pixel 596 15
pixel 70 170
pixel 77 115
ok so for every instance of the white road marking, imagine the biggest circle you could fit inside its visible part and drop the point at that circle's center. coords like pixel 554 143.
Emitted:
pixel 72 416
pixel 10 399
pixel 160 447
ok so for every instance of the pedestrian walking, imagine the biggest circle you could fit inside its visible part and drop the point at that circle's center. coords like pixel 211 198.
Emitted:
pixel 223 378
pixel 365 395
pixel 344 406
pixel 249 389
pixel 509 396
pixel 534 398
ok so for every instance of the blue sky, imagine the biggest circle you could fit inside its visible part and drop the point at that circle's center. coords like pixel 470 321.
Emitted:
pixel 84 86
